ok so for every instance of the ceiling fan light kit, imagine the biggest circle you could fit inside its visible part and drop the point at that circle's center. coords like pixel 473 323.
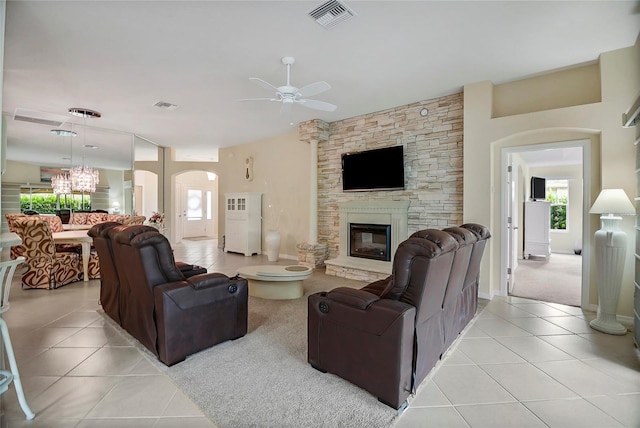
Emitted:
pixel 289 95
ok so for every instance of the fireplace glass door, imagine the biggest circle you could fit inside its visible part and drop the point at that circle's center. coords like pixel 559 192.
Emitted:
pixel 370 241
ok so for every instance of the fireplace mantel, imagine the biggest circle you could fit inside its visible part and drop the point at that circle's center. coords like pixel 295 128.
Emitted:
pixel 393 213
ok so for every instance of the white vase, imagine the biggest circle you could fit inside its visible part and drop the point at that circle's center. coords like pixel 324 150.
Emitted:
pixel 273 245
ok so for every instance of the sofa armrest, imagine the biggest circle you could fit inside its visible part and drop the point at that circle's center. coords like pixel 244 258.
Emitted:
pixel 207 280
pixel 189 319
pixel 185 295
pixel 372 347
pixel 375 319
pixel 353 297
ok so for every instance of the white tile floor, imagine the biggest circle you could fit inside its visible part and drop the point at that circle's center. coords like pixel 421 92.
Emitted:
pixel 522 363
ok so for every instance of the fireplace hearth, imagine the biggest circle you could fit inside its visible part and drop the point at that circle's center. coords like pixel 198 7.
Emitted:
pixel 370 241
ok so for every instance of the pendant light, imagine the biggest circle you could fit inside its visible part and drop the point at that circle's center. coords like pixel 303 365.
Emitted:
pixel 83 178
pixel 61 183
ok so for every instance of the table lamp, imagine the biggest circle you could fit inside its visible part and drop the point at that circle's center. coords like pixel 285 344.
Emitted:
pixel 611 248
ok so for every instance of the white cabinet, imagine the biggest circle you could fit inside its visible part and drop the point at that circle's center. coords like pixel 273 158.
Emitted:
pixel 243 223
pixel 536 228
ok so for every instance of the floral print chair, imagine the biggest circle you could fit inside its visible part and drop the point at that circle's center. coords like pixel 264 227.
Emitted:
pixel 46 268
pixel 55 225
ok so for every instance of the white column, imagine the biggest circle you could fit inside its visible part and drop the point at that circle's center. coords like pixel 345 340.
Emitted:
pixel 313 194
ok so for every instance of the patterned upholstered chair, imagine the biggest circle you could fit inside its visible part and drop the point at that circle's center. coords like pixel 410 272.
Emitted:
pixel 16 250
pixel 46 268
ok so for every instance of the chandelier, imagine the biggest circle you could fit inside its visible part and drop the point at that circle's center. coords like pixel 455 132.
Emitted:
pixel 61 183
pixel 83 178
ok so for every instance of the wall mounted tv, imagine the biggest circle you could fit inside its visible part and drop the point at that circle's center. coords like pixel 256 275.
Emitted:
pixel 378 169
pixel 538 189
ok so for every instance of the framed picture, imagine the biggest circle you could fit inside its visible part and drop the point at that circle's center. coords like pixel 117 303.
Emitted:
pixel 47 172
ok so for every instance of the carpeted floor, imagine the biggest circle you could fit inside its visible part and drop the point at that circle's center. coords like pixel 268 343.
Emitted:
pixel 263 379
pixel 556 280
pixel 198 238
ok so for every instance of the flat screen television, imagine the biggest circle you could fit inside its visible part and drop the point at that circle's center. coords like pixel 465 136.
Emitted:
pixel 538 189
pixel 378 169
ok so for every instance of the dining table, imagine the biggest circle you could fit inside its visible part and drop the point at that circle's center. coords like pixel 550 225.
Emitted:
pixel 77 237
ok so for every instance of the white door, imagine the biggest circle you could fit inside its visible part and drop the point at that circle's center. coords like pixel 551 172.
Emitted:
pixel 195 213
pixel 512 223
pixel 177 215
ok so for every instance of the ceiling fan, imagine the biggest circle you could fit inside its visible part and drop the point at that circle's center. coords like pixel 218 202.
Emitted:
pixel 289 95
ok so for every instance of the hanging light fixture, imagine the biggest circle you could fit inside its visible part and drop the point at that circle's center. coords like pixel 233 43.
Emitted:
pixel 61 183
pixel 83 178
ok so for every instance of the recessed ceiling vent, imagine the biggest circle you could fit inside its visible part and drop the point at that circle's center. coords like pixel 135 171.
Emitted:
pixel 165 105
pixel 331 13
pixel 39 117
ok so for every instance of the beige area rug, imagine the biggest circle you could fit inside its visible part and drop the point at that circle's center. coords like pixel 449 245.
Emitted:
pixel 263 379
pixel 557 279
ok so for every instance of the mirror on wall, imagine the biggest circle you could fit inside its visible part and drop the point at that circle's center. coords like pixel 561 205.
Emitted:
pixel 34 153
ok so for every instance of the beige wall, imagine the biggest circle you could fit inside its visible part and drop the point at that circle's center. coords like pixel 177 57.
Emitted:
pixel 565 88
pixel 612 155
pixel 281 174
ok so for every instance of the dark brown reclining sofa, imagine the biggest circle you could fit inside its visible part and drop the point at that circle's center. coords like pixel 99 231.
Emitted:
pixel 148 294
pixel 387 336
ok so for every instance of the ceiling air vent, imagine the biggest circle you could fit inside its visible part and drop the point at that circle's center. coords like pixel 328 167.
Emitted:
pixel 40 117
pixel 165 105
pixel 331 13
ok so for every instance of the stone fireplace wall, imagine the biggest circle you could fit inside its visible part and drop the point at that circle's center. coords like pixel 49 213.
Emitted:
pixel 433 163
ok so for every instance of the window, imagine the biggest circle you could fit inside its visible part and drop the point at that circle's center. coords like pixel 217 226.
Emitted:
pixel 44 201
pixel 194 204
pixel 558 195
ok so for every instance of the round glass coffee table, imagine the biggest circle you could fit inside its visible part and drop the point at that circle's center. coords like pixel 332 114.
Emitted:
pixel 275 281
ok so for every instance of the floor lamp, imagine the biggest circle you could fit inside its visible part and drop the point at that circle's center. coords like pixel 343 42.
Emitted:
pixel 611 248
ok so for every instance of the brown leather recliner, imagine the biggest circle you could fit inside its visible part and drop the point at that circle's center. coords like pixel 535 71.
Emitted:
pixel 110 299
pixel 387 336
pixel 386 343
pixel 109 280
pixel 171 315
pixel 453 305
pixel 470 289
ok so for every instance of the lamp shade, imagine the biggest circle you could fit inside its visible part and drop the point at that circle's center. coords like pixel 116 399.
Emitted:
pixel 612 201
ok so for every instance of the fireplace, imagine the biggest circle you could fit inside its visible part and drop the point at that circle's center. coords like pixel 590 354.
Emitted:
pixel 370 241
pixel 388 214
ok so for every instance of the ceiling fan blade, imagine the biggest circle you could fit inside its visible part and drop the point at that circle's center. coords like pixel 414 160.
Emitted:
pixel 317 105
pixel 314 89
pixel 264 84
pixel 258 99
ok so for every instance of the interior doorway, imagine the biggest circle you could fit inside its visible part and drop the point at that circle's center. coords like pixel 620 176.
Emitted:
pixel 196 205
pixel 556 275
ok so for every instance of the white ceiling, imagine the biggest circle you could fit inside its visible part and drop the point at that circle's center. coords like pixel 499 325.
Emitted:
pixel 120 57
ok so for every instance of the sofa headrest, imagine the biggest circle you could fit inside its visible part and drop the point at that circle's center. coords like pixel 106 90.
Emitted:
pixel 113 232
pixel 101 229
pixel 482 232
pixel 150 237
pixel 443 240
pixel 462 235
pixel 127 233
